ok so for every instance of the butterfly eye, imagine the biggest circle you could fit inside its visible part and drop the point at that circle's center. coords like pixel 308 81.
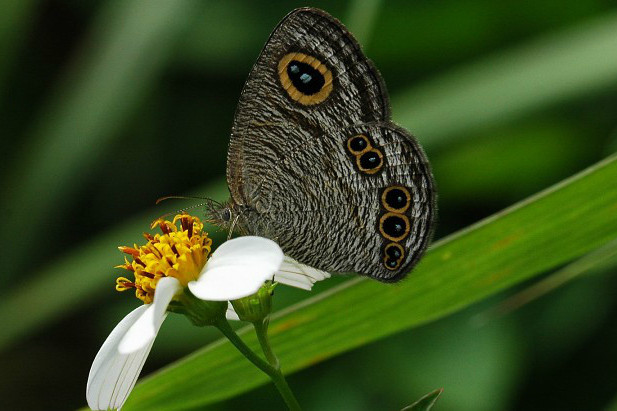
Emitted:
pixel 226 214
pixel 305 78
pixel 396 198
pixel 370 162
pixel 394 226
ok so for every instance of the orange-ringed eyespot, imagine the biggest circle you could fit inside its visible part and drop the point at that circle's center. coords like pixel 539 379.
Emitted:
pixel 396 198
pixel 358 144
pixel 394 251
pixel 370 162
pixel 394 226
pixel 305 78
pixel 393 256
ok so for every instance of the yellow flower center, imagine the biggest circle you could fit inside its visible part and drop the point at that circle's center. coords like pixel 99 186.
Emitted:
pixel 179 252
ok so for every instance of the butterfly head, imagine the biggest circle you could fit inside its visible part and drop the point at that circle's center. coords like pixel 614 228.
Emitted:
pixel 224 215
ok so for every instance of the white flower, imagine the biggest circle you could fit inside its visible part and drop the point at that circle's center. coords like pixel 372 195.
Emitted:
pixel 238 268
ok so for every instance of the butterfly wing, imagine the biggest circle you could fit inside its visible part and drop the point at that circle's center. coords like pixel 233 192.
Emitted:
pixel 314 162
pixel 337 86
pixel 299 275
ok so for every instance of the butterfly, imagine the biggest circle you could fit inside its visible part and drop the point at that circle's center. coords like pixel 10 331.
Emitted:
pixel 316 164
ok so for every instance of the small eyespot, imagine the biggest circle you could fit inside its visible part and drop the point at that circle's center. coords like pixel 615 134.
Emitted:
pixel 394 226
pixel 358 144
pixel 396 198
pixel 305 78
pixel 391 264
pixel 394 254
pixel 394 251
pixel 370 162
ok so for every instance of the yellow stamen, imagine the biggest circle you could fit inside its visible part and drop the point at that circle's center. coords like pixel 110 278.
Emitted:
pixel 123 284
pixel 179 252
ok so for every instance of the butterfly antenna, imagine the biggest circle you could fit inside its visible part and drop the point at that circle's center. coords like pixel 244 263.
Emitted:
pixel 161 199
pixel 207 202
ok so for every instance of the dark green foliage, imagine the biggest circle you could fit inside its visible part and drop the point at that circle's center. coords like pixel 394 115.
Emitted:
pixel 107 105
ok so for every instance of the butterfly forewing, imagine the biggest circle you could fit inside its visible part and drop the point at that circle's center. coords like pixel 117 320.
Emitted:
pixel 269 123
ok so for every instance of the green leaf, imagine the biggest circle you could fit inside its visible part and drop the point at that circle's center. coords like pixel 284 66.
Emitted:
pixel 600 259
pixel 425 403
pixel 106 83
pixel 536 235
pixel 559 67
pixel 15 17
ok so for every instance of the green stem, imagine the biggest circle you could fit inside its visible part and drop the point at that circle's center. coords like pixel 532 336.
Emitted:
pixel 274 372
pixel 261 329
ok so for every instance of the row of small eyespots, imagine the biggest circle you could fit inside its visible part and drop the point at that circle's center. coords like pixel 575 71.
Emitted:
pixel 369 159
pixel 394 225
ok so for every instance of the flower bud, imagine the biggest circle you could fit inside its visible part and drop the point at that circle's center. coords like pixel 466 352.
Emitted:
pixel 255 307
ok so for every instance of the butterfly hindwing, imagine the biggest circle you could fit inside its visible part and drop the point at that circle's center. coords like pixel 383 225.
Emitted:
pixel 329 207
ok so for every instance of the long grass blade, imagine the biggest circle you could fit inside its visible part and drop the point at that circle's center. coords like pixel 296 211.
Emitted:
pixel 557 68
pixel 551 228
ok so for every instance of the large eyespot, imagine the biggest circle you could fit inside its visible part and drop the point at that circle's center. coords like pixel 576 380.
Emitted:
pixel 306 79
pixel 394 254
pixel 370 162
pixel 358 144
pixel 396 198
pixel 394 226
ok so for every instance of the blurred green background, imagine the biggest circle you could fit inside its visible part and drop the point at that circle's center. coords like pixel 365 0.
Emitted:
pixel 107 105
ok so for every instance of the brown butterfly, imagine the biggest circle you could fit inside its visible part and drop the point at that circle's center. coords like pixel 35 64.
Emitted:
pixel 316 164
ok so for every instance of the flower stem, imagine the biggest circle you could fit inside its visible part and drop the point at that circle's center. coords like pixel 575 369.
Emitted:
pixel 274 372
pixel 231 335
pixel 261 329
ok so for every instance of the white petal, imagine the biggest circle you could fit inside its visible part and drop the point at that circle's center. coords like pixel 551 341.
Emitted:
pixel 237 269
pixel 298 275
pixel 144 330
pixel 246 251
pixel 113 375
pixel 231 314
pixel 231 282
